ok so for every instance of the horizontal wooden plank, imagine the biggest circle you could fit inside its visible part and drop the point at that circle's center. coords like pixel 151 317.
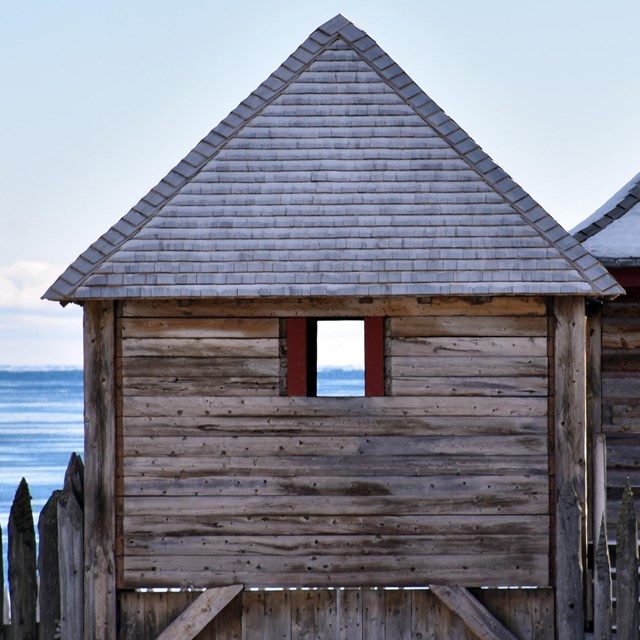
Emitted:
pixel 201 347
pixel 198 386
pixel 283 525
pixel 486 347
pixel 336 307
pixel 200 328
pixel 529 499
pixel 328 407
pixel 308 545
pixel 466 366
pixel 623 451
pixel 617 387
pixel 333 425
pixel 321 570
pixel 627 306
pixel 629 339
pixel 334 445
pixel 311 485
pixel 459 326
pixel 470 386
pixel 200 367
pixel 338 466
pixel 621 415
pixel 620 360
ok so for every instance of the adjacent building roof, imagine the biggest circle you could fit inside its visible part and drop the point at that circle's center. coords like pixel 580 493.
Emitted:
pixel 612 233
pixel 337 176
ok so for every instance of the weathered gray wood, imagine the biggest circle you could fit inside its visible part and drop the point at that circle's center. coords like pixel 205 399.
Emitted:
pixel 70 536
pixel 570 460
pixel 49 569
pixel 602 613
pixel 99 478
pixel 627 570
pixel 594 369
pixel 569 603
pixel 475 616
pixel 338 307
pixel 22 566
pixel 74 478
pixel 200 328
pixel 199 613
pixel 599 482
pixel 419 326
pixel 202 406
pixel 323 570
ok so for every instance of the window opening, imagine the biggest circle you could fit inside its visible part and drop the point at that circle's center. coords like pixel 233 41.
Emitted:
pixel 339 361
pixel 320 350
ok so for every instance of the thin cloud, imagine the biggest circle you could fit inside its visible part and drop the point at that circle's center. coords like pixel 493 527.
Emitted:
pixel 23 283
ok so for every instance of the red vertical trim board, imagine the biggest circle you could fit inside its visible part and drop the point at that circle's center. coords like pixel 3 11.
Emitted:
pixel 297 356
pixel 374 356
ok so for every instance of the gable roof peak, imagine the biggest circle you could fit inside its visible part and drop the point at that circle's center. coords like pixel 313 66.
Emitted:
pixel 333 26
pixel 338 175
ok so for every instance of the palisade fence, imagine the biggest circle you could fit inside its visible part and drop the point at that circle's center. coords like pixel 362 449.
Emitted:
pixel 45 597
pixel 45 589
pixel 626 592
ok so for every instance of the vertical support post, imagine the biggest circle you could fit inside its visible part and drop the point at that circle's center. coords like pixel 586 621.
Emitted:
pixel 570 454
pixel 99 479
pixel 596 474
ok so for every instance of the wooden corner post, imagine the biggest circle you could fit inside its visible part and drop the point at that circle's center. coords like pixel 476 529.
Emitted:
pixel 99 475
pixel 570 460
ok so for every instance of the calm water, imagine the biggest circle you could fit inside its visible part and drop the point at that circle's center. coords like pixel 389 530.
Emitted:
pixel 41 424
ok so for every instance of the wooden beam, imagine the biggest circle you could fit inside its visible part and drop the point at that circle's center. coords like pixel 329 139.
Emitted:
pixel 570 461
pixel 200 613
pixel 475 616
pixel 99 474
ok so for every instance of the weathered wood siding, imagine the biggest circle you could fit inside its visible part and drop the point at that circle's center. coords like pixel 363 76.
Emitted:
pixel 621 399
pixel 221 479
pixel 349 614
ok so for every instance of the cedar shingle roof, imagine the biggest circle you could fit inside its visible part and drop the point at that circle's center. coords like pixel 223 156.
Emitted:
pixel 612 232
pixel 337 176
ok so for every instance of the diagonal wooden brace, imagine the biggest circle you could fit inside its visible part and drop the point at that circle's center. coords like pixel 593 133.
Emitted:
pixel 475 616
pixel 200 613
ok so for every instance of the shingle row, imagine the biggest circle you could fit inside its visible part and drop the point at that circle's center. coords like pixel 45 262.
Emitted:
pixel 337 138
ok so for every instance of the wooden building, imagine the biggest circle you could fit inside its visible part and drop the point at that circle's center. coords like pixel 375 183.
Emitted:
pixel 337 190
pixel 611 234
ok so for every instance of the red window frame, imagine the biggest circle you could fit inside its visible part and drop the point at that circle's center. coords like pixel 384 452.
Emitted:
pixel 301 367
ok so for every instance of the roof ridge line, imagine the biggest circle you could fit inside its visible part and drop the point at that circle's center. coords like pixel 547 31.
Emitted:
pixel 145 209
pixel 629 201
pixel 510 190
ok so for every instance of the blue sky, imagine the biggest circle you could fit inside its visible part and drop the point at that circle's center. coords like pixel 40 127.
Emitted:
pixel 101 100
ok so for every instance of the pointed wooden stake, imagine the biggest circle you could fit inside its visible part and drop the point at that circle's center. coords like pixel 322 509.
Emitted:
pixel 200 613
pixel 23 588
pixel 627 569
pixel 602 588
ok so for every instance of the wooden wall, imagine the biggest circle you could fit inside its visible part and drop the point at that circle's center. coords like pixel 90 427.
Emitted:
pixel 621 399
pixel 221 479
pixel 347 614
